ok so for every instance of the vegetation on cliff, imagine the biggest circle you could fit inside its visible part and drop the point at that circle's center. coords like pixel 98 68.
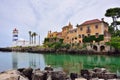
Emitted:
pixel 114 42
pixel 55 43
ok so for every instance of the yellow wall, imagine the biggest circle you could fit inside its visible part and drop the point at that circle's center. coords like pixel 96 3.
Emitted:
pixel 93 30
pixel 51 34
pixel 65 31
pixel 71 36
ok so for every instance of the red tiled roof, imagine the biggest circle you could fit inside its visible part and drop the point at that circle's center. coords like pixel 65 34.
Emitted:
pixel 91 21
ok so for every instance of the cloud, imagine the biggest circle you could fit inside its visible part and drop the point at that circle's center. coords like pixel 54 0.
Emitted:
pixel 43 15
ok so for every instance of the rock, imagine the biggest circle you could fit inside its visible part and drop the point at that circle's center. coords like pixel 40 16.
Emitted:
pixel 85 73
pixel 38 75
pixel 100 70
pixel 45 76
pixel 73 76
pixel 20 69
pixel 109 76
pixel 80 79
pixel 58 75
pixel 28 72
pixel 100 73
pixel 48 68
pixel 12 75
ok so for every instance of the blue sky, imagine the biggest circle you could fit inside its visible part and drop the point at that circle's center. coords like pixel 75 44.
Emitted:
pixel 43 15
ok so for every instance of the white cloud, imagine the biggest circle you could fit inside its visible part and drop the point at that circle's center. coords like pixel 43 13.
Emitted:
pixel 43 15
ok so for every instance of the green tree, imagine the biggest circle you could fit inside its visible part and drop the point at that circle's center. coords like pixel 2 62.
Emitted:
pixel 114 42
pixel 114 13
pixel 111 30
pixel 32 35
pixel 117 33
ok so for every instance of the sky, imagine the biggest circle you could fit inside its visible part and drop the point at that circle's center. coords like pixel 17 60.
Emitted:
pixel 41 16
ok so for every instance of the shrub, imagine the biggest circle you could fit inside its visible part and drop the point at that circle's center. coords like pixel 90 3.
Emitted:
pixel 93 38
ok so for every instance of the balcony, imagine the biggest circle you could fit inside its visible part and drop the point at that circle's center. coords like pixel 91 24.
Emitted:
pixel 88 31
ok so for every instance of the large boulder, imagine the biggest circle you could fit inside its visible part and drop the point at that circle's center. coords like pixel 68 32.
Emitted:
pixel 85 73
pixel 37 75
pixel 58 75
pixel 73 76
pixel 48 68
pixel 12 75
pixel 101 73
pixel 28 72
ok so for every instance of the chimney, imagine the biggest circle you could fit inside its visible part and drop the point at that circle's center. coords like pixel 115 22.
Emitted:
pixel 102 19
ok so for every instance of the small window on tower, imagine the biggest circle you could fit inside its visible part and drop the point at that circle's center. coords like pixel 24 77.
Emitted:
pixel 81 28
pixel 67 37
pixel 96 26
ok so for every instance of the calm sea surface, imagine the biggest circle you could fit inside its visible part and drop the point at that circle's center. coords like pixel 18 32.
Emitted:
pixel 67 63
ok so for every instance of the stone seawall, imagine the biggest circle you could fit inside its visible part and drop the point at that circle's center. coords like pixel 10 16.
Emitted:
pixel 59 51
pixel 6 49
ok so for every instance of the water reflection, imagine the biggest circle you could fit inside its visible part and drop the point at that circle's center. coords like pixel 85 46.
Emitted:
pixel 14 61
pixel 20 60
pixel 68 63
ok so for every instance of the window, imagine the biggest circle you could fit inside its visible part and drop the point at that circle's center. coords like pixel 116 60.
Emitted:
pixel 75 37
pixel 79 36
pixel 75 30
pixel 67 37
pixel 96 26
pixel 105 33
pixel 72 39
pixel 88 27
pixel 83 36
pixel 81 28
pixel 88 34
pixel 79 41
pixel 97 35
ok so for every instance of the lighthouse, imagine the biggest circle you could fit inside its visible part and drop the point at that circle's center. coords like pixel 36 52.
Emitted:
pixel 15 37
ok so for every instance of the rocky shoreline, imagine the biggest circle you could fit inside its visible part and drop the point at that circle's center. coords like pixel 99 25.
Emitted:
pixel 49 74
pixel 66 51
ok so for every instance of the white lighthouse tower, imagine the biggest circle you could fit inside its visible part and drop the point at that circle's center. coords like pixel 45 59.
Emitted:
pixel 15 37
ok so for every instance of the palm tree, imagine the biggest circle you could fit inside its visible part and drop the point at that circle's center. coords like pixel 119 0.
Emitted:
pixel 32 38
pixel 30 33
pixel 34 35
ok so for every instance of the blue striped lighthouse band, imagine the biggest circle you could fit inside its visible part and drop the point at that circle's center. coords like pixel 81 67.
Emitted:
pixel 15 39
pixel 15 35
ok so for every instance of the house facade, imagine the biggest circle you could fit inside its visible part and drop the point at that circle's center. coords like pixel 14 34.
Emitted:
pixel 88 28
